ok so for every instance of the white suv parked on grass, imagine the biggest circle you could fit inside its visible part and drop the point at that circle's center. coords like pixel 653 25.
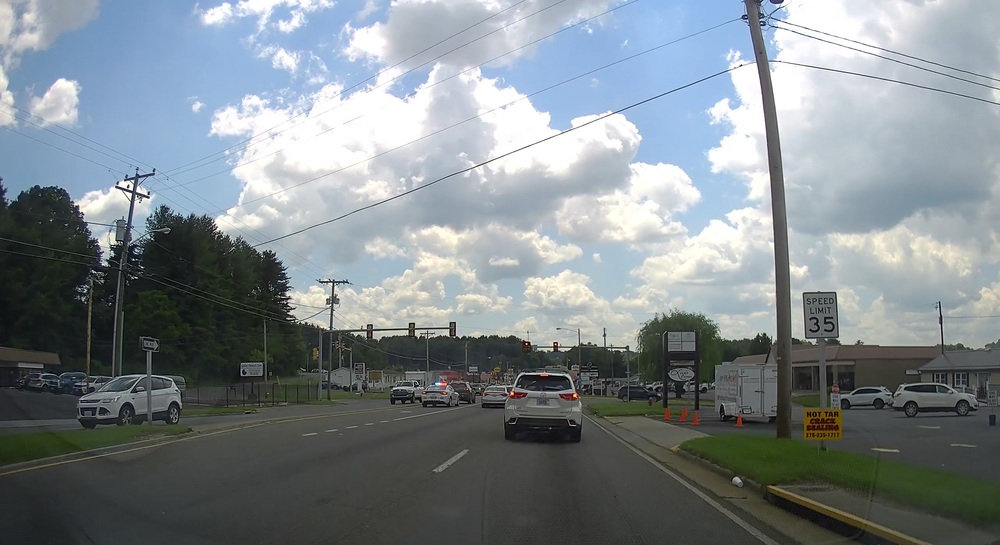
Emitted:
pixel 932 397
pixel 122 401
pixel 543 401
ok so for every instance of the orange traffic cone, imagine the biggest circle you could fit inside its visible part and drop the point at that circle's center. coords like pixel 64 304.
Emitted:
pixel 684 414
pixel 739 420
pixel 666 414
pixel 695 421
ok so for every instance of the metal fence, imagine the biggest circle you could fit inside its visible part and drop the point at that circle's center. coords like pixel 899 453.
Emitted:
pixel 251 394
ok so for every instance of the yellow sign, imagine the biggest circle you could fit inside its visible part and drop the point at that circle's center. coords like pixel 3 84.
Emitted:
pixel 823 424
pixel 496 369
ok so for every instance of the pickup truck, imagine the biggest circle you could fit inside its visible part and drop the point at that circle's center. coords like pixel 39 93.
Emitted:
pixel 405 390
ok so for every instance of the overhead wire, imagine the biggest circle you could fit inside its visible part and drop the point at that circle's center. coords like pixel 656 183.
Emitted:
pixel 504 155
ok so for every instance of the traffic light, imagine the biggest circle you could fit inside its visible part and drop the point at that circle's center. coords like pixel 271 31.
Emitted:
pixel 452 327
pixel 315 354
pixel 412 329
pixel 555 346
pixel 526 347
pixel 370 333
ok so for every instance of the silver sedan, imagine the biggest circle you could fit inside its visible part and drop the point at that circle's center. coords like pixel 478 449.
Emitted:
pixel 439 395
pixel 495 396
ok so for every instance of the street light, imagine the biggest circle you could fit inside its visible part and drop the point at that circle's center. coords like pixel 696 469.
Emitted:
pixel 116 348
pixel 579 343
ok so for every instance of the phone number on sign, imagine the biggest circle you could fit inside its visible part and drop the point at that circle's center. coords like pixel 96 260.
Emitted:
pixel 822 435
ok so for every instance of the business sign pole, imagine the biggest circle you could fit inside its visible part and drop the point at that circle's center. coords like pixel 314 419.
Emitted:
pixel 822 322
pixel 682 362
pixel 150 345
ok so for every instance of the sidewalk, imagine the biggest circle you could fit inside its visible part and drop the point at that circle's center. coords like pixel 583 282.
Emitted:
pixel 890 522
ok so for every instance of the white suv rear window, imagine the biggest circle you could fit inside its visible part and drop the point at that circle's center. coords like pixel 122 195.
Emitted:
pixel 544 383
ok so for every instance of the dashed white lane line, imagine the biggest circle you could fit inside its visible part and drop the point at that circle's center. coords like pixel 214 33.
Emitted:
pixel 878 449
pixel 450 461
pixel 962 445
pixel 369 423
pixel 383 422
pixel 930 427
pixel 405 412
pixel 351 427
pixel 334 430
pixel 308 434
pixel 421 415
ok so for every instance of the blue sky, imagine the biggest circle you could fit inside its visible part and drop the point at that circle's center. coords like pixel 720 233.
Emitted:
pixel 665 236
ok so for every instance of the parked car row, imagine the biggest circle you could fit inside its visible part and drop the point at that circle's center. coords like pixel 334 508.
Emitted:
pixel 70 382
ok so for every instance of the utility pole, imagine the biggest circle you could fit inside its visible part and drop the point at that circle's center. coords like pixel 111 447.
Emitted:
pixel 319 383
pixel 133 193
pixel 779 221
pixel 90 313
pixel 941 324
pixel 605 335
pixel 427 352
pixel 466 360
pixel 333 305
pixel 265 350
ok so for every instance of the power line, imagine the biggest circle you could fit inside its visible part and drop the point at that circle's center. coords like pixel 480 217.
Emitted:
pixel 64 150
pixel 358 84
pixel 887 50
pixel 505 155
pixel 889 80
pixel 890 59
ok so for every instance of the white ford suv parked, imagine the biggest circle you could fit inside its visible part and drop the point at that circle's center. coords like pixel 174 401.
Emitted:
pixel 122 401
pixel 543 401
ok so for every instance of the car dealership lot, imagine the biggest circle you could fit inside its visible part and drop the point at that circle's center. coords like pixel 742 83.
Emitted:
pixel 966 445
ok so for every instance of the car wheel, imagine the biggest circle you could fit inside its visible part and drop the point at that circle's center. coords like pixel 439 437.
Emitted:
pixel 125 415
pixel 413 399
pixel 173 414
pixel 509 432
pixel 89 425
pixel 962 408
pixel 879 404
pixel 392 401
pixel 910 409
pixel 424 404
pixel 845 404
pixel 575 435
pixel 722 414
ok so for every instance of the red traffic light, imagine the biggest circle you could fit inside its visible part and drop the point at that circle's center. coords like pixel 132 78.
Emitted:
pixel 526 346
pixel 555 346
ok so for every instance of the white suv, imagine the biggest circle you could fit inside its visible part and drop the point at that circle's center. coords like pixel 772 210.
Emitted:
pixel 932 397
pixel 122 401
pixel 543 401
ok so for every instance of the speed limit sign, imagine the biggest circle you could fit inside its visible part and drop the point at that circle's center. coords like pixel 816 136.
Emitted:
pixel 821 318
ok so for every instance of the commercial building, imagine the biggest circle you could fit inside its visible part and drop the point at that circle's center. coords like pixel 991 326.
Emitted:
pixel 970 370
pixel 15 362
pixel 853 366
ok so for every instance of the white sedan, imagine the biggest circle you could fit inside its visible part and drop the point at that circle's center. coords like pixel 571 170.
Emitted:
pixel 439 394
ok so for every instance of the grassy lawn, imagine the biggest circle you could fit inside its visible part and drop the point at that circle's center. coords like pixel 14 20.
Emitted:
pixel 32 446
pixel 634 408
pixel 771 461
pixel 809 400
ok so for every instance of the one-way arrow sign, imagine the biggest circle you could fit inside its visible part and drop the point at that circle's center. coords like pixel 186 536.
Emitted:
pixel 149 344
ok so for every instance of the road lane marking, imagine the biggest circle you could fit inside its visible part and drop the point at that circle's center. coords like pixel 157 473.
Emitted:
pixel 370 424
pixel 962 445
pixel 879 449
pixel 930 427
pixel 450 461
pixel 383 422
pixel 405 412
pixel 331 431
pixel 762 537
pixel 105 452
pixel 429 413
pixel 351 427
pixel 308 434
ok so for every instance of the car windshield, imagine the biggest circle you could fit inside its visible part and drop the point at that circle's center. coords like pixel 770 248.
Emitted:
pixel 544 383
pixel 402 384
pixel 119 384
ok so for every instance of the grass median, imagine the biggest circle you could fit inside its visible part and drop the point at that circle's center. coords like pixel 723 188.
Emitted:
pixel 633 408
pixel 771 461
pixel 808 400
pixel 23 447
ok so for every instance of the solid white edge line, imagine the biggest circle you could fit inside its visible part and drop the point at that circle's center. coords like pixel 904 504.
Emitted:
pixel 450 461
pixel 429 413
pixel 749 528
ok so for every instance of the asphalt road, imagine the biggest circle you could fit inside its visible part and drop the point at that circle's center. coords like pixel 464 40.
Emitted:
pixel 29 405
pixel 965 445
pixel 384 475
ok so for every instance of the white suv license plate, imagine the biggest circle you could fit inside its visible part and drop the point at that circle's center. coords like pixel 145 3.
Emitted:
pixel 541 401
